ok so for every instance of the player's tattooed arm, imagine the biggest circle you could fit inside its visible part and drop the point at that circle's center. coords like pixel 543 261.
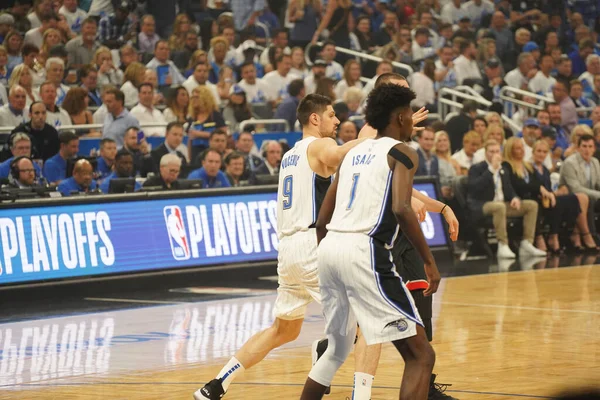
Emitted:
pixel 327 208
pixel 404 161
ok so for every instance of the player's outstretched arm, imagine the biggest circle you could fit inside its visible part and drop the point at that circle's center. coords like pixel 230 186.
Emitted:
pixel 328 152
pixel 327 208
pixel 435 206
pixel 404 161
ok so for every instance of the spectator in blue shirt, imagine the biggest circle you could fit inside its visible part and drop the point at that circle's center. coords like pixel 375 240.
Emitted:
pixel 118 120
pixel 287 109
pixel 55 168
pixel 108 150
pixel 210 173
pixel 123 169
pixel 20 146
pixel 81 181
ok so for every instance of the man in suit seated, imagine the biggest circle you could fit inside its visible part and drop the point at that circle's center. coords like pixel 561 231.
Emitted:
pixel 22 173
pixel 272 158
pixel 491 193
pixel 210 173
pixel 170 167
pixel 581 171
pixel 173 139
pixel 428 161
pixel 123 168
pixel 81 181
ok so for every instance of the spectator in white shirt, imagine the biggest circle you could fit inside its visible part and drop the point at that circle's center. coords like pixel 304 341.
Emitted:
pixel 465 65
pixel 334 69
pixel 160 61
pixel 55 70
pixel 422 84
pixel 452 12
pixel 74 15
pixel 422 45
pixel 200 77
pixel 592 64
pixel 426 21
pixel 55 116
pixel 352 73
pixel 279 79
pixel 317 72
pixel 471 143
pixel 134 77
pixel 477 9
pixel 13 113
pixel 41 8
pixel 145 112
pixel 520 76
pixel 257 91
pixel 108 74
pixel 542 81
pixel 35 35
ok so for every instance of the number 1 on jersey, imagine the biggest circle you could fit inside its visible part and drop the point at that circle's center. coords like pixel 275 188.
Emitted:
pixel 287 192
pixel 355 178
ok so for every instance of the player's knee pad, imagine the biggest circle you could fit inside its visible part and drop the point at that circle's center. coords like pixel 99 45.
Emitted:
pixel 337 351
pixel 424 305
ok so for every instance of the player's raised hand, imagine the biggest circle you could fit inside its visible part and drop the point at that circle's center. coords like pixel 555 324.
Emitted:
pixel 419 208
pixel 452 223
pixel 419 116
pixel 433 278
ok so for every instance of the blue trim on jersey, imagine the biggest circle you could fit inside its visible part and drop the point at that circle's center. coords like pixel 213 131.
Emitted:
pixel 389 301
pixel 387 188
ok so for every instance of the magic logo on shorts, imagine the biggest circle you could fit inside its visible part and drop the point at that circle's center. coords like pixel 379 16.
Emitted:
pixel 180 245
pixel 400 324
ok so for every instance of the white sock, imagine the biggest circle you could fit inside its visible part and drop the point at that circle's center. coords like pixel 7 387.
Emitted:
pixel 362 386
pixel 230 371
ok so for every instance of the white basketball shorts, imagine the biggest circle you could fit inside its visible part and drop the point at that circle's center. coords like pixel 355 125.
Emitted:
pixel 298 275
pixel 359 283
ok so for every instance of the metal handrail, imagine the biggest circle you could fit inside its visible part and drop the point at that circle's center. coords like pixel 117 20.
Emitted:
pixel 280 121
pixel 444 104
pixel 468 90
pixel 357 54
pixel 507 95
pixel 511 123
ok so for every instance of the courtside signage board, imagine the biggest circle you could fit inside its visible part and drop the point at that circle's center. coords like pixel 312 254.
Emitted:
pixel 45 243
pixel 72 241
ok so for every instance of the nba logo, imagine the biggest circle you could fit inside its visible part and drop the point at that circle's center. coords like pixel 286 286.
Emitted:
pixel 177 235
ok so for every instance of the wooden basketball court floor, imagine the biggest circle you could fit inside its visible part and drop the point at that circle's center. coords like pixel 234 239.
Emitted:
pixel 507 335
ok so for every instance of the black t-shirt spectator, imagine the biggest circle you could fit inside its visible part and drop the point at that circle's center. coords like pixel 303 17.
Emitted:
pixel 456 128
pixel 44 142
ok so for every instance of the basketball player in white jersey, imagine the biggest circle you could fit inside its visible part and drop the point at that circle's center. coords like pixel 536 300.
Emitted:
pixel 304 177
pixel 358 281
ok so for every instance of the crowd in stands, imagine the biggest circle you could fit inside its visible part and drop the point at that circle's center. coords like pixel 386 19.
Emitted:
pixel 199 71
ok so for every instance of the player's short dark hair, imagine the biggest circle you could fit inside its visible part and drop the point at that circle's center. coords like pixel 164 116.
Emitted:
pixel 313 103
pixel 67 137
pixel 123 153
pixel 585 138
pixel 388 77
pixel 295 87
pixel 384 101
